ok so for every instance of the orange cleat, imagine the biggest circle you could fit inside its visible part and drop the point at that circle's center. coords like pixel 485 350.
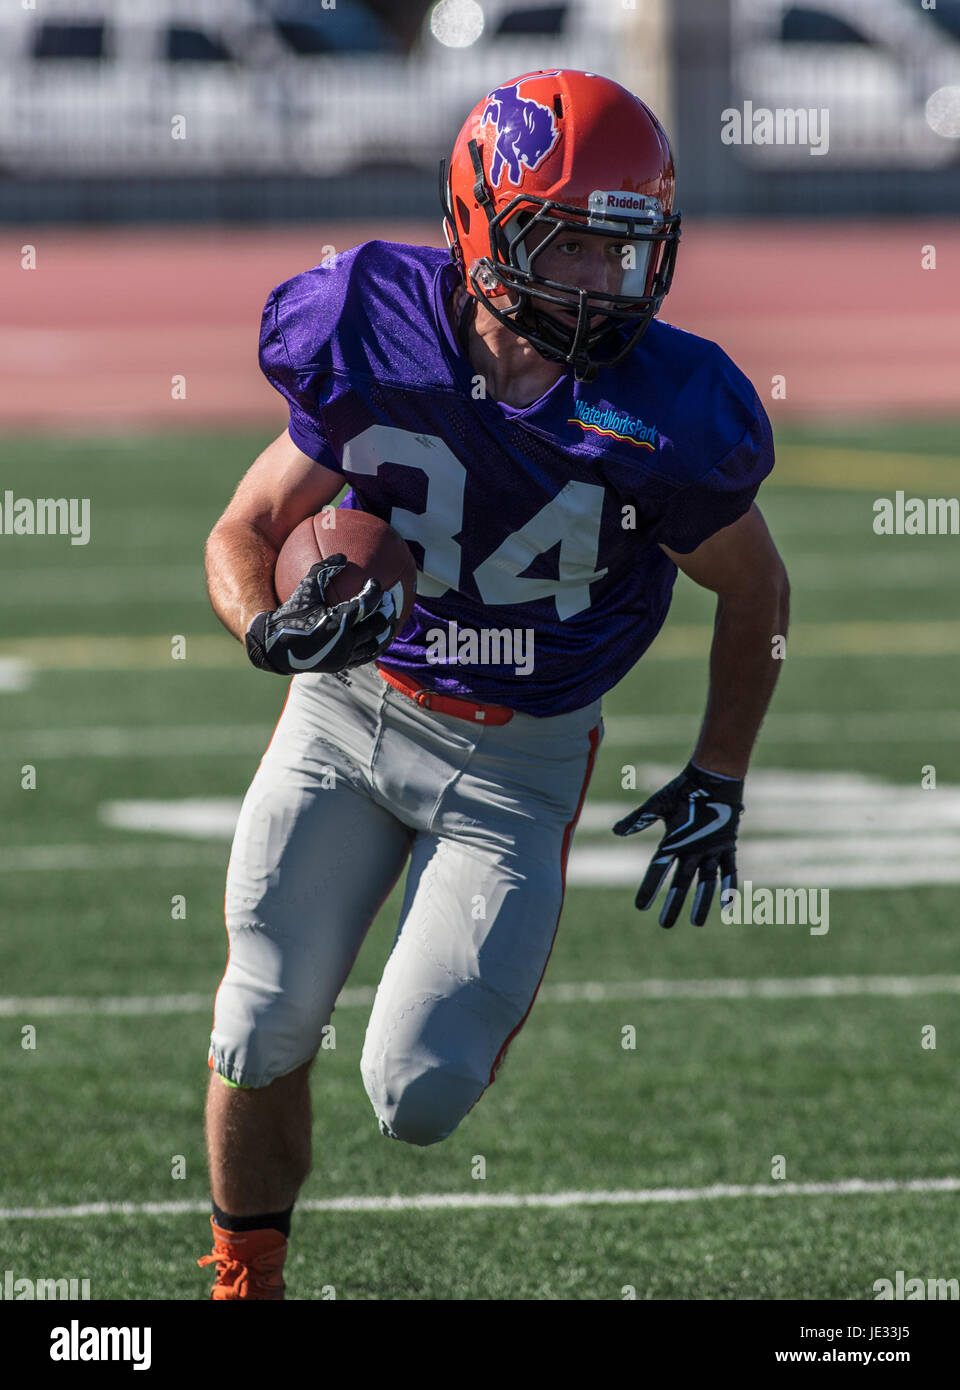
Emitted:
pixel 249 1263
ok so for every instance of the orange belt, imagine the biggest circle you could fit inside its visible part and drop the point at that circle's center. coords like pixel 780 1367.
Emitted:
pixel 445 704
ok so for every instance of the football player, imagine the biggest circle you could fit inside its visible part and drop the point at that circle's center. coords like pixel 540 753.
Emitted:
pixel 552 453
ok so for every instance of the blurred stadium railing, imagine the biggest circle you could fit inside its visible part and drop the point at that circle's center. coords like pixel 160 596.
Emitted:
pixel 140 110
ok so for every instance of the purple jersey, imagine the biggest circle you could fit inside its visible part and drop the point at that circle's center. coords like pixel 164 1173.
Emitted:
pixel 536 530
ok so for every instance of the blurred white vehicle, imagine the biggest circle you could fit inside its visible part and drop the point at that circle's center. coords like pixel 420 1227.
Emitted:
pixel 162 87
pixel 185 86
pixel 886 71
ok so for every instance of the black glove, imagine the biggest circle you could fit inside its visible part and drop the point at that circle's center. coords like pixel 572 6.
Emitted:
pixel 305 634
pixel 701 811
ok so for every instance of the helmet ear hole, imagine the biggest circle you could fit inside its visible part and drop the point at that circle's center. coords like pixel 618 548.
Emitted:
pixel 463 212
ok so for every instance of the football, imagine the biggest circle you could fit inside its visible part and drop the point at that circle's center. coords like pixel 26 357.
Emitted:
pixel 373 550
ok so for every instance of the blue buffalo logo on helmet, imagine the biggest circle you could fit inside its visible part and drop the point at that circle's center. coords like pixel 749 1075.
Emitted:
pixel 526 131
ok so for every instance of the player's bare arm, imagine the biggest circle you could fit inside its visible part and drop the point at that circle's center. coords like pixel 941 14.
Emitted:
pixel 740 564
pixel 280 489
pixel 308 631
pixel 701 808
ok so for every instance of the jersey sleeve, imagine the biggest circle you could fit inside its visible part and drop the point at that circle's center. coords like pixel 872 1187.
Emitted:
pixel 725 491
pixel 295 358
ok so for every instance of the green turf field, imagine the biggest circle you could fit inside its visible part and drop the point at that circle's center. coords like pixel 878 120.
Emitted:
pixel 815 1065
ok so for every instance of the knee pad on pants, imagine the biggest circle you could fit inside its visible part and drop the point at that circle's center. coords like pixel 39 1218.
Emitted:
pixel 260 1034
pixel 420 1105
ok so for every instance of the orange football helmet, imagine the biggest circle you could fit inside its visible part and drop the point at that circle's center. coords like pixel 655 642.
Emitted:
pixel 543 156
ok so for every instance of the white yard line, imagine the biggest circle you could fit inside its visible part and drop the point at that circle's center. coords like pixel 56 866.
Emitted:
pixel 460 1201
pixel 145 741
pixel 770 862
pixel 38 585
pixel 679 641
pixel 585 992
pixel 156 855
pixel 621 731
pixel 865 726
pixel 88 584
pixel 814 861
pixel 15 674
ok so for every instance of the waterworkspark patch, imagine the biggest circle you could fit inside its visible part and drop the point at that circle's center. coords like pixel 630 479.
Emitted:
pixel 615 424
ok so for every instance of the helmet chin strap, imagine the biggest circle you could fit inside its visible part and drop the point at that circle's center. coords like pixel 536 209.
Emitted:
pixel 465 319
pixel 524 321
pixel 524 317
pixel 527 321
pixel 558 351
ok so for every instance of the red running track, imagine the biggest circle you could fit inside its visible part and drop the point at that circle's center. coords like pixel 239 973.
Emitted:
pixel 91 338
